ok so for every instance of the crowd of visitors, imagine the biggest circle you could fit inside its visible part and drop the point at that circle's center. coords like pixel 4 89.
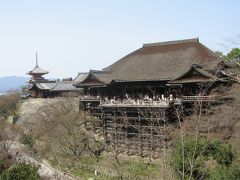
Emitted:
pixel 146 100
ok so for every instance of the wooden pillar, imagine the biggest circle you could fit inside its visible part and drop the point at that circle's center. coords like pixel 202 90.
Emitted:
pixel 140 143
pixel 152 137
pixel 104 127
pixel 126 129
pixel 163 114
pixel 115 139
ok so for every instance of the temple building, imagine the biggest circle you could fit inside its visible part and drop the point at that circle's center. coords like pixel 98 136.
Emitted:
pixel 132 97
pixel 154 69
pixel 39 87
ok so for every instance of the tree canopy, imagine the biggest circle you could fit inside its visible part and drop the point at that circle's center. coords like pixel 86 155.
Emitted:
pixel 234 54
pixel 203 159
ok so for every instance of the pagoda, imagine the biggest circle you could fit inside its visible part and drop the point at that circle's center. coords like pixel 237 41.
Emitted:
pixel 37 74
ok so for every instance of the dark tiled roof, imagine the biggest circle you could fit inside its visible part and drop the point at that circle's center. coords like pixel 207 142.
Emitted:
pixel 95 78
pixel 56 86
pixel 80 77
pixel 64 86
pixel 195 75
pixel 163 61
pixel 103 76
pixel 45 86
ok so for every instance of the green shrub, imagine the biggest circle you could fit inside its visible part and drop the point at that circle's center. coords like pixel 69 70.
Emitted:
pixel 22 171
pixel 225 155
pixel 28 140
pixel 190 159
pixel 194 153
pixel 225 173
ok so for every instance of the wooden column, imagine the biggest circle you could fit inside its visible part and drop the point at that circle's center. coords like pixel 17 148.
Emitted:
pixel 152 136
pixel 126 129
pixel 140 143
pixel 104 127
pixel 115 138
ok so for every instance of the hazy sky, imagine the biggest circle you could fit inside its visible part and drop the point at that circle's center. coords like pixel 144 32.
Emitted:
pixel 74 36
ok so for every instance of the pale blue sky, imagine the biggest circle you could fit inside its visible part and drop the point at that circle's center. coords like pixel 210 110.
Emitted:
pixel 74 36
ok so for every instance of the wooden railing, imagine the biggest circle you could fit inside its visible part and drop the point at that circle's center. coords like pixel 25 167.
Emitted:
pixel 198 98
pixel 89 98
pixel 135 104
pixel 153 103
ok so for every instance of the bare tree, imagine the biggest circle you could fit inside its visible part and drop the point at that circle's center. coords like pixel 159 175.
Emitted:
pixel 8 134
pixel 8 104
pixel 59 131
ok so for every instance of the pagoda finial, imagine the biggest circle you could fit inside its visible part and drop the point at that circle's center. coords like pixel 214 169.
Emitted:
pixel 36 60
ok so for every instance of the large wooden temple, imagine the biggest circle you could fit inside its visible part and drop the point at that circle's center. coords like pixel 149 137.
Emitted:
pixel 132 97
pixel 156 68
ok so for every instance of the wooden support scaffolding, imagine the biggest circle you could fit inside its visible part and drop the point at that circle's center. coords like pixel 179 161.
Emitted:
pixel 141 130
pixel 134 131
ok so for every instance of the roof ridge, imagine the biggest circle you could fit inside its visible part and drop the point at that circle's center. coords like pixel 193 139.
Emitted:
pixel 82 73
pixel 100 71
pixel 171 42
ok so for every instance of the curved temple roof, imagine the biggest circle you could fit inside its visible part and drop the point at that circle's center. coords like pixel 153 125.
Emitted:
pixel 38 70
pixel 194 75
pixel 94 78
pixel 164 61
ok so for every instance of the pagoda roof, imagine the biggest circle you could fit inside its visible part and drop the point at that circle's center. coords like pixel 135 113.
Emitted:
pixel 38 70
